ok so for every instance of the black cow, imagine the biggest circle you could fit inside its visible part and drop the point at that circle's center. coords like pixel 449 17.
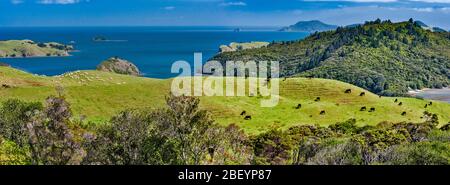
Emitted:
pixel 362 94
pixel 348 91
pixel 363 109
pixel 396 100
pixel 403 113
pixel 317 99
pixel 426 105
pixel 298 106
pixel 243 113
pixel 248 117
pixel 372 109
pixel 322 112
pixel 400 104
pixel 430 104
pixel 6 86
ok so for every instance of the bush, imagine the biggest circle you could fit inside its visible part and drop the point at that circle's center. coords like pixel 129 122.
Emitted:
pixel 14 114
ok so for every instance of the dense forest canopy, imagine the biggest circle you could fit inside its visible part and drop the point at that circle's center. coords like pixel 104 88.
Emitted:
pixel 384 57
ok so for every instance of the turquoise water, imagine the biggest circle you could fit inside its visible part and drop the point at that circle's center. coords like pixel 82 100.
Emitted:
pixel 152 49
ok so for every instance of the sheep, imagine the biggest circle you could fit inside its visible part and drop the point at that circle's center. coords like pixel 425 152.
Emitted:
pixel 363 109
pixel 243 113
pixel 372 109
pixel 317 99
pixel 248 117
pixel 298 106
pixel 322 112
pixel 362 94
pixel 403 113
pixel 348 91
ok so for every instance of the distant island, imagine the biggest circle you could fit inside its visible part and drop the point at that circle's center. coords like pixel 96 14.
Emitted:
pixel 426 27
pixel 104 39
pixel 309 26
pixel 99 38
pixel 29 48
pixel 235 46
pixel 119 66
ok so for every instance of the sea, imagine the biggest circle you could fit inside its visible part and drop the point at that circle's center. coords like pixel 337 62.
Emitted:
pixel 152 49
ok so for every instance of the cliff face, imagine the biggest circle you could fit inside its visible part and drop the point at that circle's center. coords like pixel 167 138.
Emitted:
pixel 120 66
pixel 28 48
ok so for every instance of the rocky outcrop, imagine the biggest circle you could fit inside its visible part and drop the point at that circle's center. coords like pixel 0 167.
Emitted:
pixel 119 66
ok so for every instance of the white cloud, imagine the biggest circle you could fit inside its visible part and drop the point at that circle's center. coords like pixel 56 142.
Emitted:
pixel 169 8
pixel 16 1
pixel 433 1
pixel 59 1
pixel 423 9
pixel 357 1
pixel 238 3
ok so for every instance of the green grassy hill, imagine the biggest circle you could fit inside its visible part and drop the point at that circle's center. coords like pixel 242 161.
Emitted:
pixel 383 57
pixel 28 48
pixel 99 95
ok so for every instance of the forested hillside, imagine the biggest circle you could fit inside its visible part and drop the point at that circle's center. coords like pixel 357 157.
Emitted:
pixel 383 57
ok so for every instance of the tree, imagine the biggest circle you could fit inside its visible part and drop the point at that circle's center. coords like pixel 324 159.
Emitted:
pixel 50 140
pixel 188 127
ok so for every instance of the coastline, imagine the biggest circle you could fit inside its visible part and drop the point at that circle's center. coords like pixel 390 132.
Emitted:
pixel 53 56
pixel 432 94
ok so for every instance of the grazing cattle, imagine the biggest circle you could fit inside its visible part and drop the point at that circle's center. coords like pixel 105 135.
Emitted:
pixel 380 96
pixel 322 112
pixel 403 113
pixel 430 104
pixel 400 104
pixel 248 117
pixel 348 91
pixel 363 109
pixel 298 106
pixel 372 109
pixel 243 113
pixel 362 94
pixel 6 86
pixel 211 151
pixel 317 99
pixel 396 100
pixel 426 105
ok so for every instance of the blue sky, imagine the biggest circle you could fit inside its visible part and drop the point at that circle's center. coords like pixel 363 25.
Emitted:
pixel 216 12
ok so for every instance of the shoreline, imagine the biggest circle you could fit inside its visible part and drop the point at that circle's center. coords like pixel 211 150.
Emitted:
pixel 53 56
pixel 442 94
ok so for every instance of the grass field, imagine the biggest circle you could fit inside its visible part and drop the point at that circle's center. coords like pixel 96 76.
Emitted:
pixel 100 95
pixel 28 48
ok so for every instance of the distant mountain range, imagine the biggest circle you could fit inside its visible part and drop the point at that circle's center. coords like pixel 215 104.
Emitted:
pixel 318 26
pixel 433 29
pixel 309 26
